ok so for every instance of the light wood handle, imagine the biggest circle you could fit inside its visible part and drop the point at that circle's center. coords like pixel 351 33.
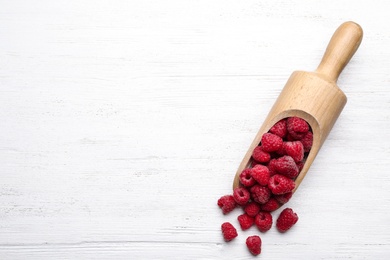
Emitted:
pixel 342 46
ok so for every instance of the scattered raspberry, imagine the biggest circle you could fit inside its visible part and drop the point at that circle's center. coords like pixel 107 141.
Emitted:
pixel 286 165
pixel 252 209
pixel 307 141
pixel 260 194
pixel 245 221
pixel 279 184
pixel 241 196
pixel 227 203
pixel 286 220
pixel 260 155
pixel 254 244
pixel 279 129
pixel 246 178
pixel 294 149
pixel 229 232
pixel 283 198
pixel 271 142
pixel 263 221
pixel 271 205
pixel 297 127
pixel 261 174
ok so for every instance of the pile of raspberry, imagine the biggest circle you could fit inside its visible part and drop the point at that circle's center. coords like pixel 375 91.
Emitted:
pixel 268 182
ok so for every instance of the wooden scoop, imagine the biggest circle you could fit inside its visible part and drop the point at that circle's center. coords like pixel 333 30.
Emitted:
pixel 313 96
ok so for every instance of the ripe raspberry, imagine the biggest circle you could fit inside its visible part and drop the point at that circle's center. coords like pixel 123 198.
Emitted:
pixel 294 149
pixel 279 129
pixel 245 221
pixel 252 209
pixel 279 184
pixel 283 198
pixel 260 194
pixel 227 203
pixel 261 156
pixel 261 174
pixel 286 220
pixel 286 165
pixel 254 244
pixel 246 178
pixel 271 142
pixel 229 232
pixel 241 196
pixel 271 167
pixel 263 221
pixel 271 205
pixel 297 127
pixel 307 141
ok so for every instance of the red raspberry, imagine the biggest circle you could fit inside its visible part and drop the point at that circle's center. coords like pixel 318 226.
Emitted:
pixel 261 156
pixel 252 209
pixel 241 196
pixel 245 221
pixel 263 221
pixel 297 127
pixel 229 232
pixel 260 194
pixel 279 129
pixel 272 167
pixel 246 178
pixel 286 220
pixel 307 141
pixel 283 198
pixel 227 203
pixel 294 149
pixel 286 165
pixel 279 184
pixel 271 205
pixel 271 142
pixel 254 244
pixel 261 174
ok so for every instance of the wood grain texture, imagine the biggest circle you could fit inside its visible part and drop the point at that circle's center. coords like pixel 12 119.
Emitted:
pixel 123 122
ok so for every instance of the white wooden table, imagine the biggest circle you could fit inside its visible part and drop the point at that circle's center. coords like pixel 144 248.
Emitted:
pixel 123 122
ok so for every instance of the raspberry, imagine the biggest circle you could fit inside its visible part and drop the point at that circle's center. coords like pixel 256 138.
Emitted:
pixel 261 156
pixel 279 184
pixel 229 232
pixel 271 142
pixel 271 167
pixel 260 194
pixel 254 244
pixel 227 203
pixel 245 221
pixel 286 165
pixel 271 205
pixel 261 174
pixel 246 178
pixel 294 149
pixel 252 209
pixel 241 196
pixel 307 141
pixel 286 220
pixel 279 129
pixel 263 221
pixel 283 198
pixel 297 127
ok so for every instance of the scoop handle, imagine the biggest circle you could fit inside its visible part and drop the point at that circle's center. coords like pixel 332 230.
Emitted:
pixel 342 46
